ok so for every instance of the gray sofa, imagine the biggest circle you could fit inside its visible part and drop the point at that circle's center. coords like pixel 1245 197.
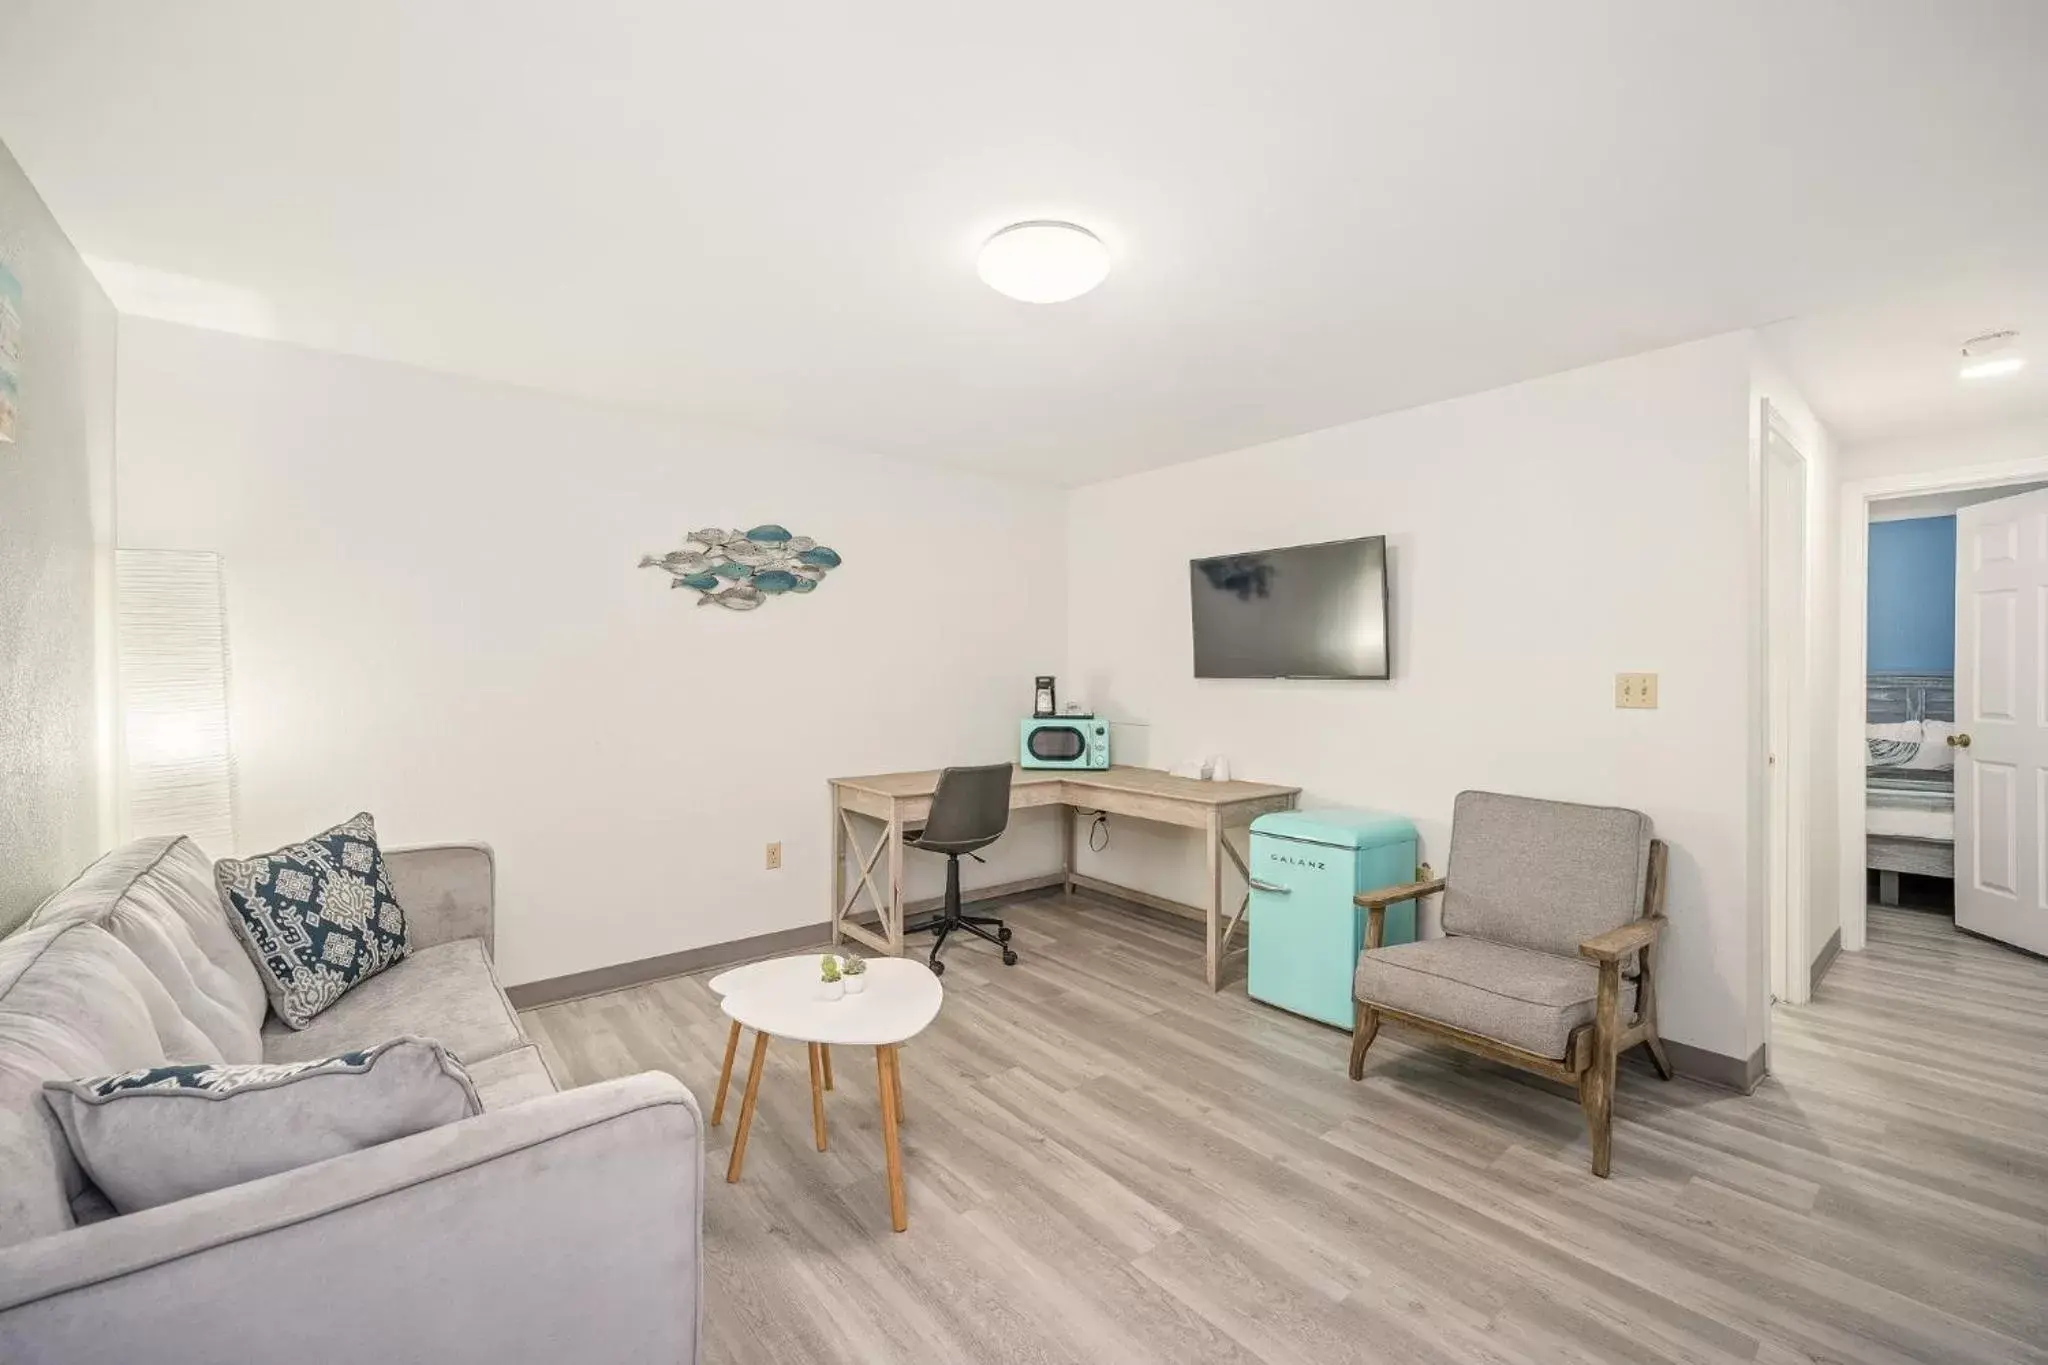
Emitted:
pixel 552 1227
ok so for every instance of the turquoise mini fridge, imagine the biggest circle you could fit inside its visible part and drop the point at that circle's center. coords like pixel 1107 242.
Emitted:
pixel 1306 933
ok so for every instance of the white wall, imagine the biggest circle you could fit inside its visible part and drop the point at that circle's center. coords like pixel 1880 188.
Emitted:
pixel 1921 505
pixel 56 518
pixel 1952 448
pixel 435 615
pixel 1542 538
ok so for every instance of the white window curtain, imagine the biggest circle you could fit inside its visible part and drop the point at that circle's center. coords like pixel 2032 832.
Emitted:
pixel 178 774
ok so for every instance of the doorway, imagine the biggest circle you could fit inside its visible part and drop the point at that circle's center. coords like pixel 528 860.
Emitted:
pixel 1911 829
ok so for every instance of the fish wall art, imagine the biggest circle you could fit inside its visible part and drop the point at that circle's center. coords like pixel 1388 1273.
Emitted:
pixel 739 570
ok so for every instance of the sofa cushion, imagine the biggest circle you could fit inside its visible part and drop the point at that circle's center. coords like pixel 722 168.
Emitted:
pixel 448 993
pixel 158 1134
pixel 1518 996
pixel 74 1001
pixel 1546 875
pixel 158 897
pixel 318 917
pixel 512 1078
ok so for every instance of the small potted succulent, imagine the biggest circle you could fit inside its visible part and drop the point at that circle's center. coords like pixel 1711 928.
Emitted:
pixel 854 971
pixel 830 987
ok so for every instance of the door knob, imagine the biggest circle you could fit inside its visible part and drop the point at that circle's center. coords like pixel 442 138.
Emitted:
pixel 1958 741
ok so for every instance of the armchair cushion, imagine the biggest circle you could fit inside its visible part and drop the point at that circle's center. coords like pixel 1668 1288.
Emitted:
pixel 1518 996
pixel 1546 875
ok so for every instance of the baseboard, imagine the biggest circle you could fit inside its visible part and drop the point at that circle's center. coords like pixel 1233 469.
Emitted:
pixel 1716 1068
pixel 1829 951
pixel 718 956
pixel 711 957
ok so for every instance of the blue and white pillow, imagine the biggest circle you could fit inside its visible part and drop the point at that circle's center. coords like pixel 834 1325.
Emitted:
pixel 318 918
pixel 163 1133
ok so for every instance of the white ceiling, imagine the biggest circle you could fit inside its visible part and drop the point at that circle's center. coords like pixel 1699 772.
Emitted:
pixel 766 212
pixel 1887 366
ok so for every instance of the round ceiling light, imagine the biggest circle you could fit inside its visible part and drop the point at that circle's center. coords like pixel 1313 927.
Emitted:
pixel 1992 355
pixel 1043 262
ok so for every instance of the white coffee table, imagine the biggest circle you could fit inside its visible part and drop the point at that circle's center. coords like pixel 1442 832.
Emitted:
pixel 780 999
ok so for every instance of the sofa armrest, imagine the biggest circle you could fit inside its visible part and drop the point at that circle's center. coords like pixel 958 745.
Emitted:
pixel 449 892
pixel 1616 944
pixel 567 1228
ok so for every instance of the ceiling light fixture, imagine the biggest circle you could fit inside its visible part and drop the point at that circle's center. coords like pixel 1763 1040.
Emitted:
pixel 1991 355
pixel 1043 261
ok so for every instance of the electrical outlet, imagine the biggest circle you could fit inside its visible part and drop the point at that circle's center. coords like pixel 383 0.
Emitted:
pixel 774 856
pixel 1636 691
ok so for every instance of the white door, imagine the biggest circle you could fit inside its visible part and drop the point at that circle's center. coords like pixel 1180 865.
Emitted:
pixel 2002 720
pixel 1785 657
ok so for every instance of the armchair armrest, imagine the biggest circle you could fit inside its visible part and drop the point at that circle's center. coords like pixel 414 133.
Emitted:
pixel 565 1228
pixel 1394 895
pixel 1376 903
pixel 449 892
pixel 1616 944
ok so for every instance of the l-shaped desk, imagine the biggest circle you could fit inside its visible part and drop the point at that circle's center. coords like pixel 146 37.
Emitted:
pixel 901 801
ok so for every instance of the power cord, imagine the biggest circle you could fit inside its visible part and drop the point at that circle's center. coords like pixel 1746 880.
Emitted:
pixel 1100 827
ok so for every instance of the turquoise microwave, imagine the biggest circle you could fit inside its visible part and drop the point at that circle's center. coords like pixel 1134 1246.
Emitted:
pixel 1063 742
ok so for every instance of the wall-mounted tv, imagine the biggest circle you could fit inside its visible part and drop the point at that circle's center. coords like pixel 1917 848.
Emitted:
pixel 1304 611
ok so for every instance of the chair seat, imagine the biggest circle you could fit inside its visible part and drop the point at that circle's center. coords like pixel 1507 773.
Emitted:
pixel 1519 996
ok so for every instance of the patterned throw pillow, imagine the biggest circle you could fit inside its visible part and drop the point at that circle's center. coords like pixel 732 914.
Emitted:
pixel 318 917
pixel 163 1133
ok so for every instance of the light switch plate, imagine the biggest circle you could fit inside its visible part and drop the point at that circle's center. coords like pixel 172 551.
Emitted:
pixel 775 855
pixel 1635 691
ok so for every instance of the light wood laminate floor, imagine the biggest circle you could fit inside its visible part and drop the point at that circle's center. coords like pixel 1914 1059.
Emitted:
pixel 1107 1163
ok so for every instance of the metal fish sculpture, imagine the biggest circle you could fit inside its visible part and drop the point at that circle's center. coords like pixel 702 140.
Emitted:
pixel 739 570
pixel 738 597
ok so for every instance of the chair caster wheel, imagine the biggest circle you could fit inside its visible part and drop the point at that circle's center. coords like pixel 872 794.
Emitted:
pixel 938 968
pixel 1009 958
pixel 1003 935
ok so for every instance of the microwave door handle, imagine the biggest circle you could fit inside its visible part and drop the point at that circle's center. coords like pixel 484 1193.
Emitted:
pixel 1258 885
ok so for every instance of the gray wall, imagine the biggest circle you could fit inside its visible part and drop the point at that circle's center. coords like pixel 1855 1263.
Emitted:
pixel 56 517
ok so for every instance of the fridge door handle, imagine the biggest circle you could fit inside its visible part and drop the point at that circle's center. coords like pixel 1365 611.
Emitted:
pixel 1258 885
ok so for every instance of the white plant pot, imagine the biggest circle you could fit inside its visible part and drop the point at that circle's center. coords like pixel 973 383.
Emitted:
pixel 831 990
pixel 854 984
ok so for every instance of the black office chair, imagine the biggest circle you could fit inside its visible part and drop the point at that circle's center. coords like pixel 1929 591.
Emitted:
pixel 970 810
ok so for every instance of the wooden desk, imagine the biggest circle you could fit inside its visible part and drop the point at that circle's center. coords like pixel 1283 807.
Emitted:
pixel 902 800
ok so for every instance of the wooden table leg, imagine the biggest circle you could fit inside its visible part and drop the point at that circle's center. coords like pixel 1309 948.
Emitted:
pixel 825 1051
pixel 1212 920
pixel 885 1069
pixel 732 1045
pixel 817 1097
pixel 896 1076
pixel 739 1137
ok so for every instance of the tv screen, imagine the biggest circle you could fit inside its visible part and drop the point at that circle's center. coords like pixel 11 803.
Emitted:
pixel 1305 611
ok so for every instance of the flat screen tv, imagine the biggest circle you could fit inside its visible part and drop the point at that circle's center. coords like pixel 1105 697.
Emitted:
pixel 1304 611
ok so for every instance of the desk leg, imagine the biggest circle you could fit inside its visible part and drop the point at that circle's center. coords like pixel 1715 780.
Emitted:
pixel 1067 817
pixel 1213 919
pixel 894 834
pixel 838 847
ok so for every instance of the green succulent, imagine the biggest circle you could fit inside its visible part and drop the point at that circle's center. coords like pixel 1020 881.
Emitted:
pixel 853 966
pixel 828 968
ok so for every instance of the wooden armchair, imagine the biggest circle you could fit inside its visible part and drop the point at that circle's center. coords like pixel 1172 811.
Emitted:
pixel 1552 913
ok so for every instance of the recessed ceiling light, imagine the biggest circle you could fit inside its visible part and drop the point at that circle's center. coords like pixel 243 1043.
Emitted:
pixel 1991 355
pixel 1043 262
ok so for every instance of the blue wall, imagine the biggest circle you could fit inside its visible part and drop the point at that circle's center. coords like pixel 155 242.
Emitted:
pixel 1912 625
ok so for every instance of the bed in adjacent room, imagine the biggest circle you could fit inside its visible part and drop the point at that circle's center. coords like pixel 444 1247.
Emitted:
pixel 1909 783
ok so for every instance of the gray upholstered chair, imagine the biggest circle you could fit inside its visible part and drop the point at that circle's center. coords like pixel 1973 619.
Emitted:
pixel 1551 913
